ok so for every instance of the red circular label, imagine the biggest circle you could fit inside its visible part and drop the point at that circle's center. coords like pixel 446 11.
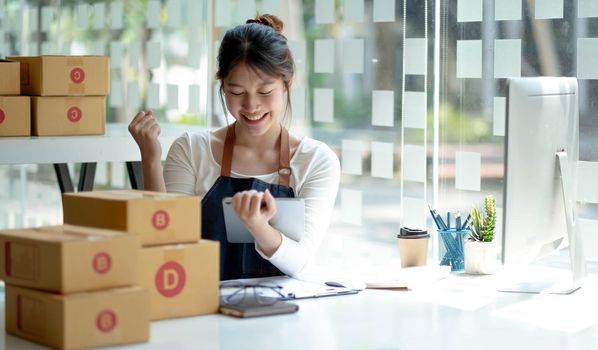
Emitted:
pixel 2 116
pixel 106 321
pixel 160 219
pixel 77 75
pixel 170 279
pixel 74 114
pixel 102 263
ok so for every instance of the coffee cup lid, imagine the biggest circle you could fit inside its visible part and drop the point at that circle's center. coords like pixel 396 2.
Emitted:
pixel 423 235
pixel 406 231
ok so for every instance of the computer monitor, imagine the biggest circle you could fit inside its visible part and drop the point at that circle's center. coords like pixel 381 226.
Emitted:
pixel 541 154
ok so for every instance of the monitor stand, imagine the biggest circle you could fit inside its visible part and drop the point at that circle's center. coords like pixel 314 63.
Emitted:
pixel 538 280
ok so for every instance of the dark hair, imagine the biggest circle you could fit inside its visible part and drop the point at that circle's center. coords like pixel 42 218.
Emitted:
pixel 260 44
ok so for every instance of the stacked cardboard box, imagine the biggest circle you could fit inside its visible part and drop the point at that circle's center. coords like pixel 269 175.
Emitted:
pixel 68 93
pixel 72 287
pixel 180 270
pixel 15 119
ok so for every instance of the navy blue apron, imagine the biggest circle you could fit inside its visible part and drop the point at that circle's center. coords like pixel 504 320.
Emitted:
pixel 241 260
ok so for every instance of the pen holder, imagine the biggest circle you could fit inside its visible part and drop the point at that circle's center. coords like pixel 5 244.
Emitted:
pixel 452 242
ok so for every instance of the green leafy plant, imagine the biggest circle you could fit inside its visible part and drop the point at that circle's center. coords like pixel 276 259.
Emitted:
pixel 481 228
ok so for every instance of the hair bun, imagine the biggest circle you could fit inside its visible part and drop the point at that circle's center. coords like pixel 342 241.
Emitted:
pixel 268 20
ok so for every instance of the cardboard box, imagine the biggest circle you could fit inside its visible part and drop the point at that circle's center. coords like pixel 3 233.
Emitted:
pixel 68 258
pixel 54 116
pixel 10 84
pixel 157 217
pixel 15 115
pixel 64 75
pixel 183 279
pixel 108 317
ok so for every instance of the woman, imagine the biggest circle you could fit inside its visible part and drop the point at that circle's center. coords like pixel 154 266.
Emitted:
pixel 253 160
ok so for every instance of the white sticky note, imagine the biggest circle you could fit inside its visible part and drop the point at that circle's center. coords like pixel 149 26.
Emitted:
pixel 383 108
pixel 174 13
pixel 115 54
pixel 99 15
pixel 469 58
pixel 384 10
pixel 299 50
pixel 351 206
pixel 507 58
pixel 353 10
pixel 469 10
pixel 153 96
pixel 589 237
pixel 47 18
pixel 134 53
pixel 82 15
pixel 223 13
pixel 415 56
pixel 587 51
pixel 414 163
pixel 587 8
pixel 247 9
pixel 324 11
pixel 324 56
pixel 33 20
pixel 382 159
pixel 117 174
pixel 153 14
pixel 499 115
pixel 507 10
pixel 99 48
pixel 116 15
pixel 468 171
pixel 194 56
pixel 547 9
pixel 587 186
pixel 194 13
pixel 116 93
pixel 193 99
pixel 173 96
pixel 414 212
pixel 323 105
pixel 298 99
pixel 153 54
pixel 353 56
pixel 270 6
pixel 351 157
pixel 133 97
pixel 415 109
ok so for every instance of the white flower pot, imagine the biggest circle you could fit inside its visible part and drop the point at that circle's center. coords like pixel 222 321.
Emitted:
pixel 480 257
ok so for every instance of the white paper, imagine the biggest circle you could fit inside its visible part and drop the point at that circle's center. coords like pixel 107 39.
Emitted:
pixel 351 157
pixel 499 115
pixel 414 213
pixel 415 56
pixel 116 93
pixel 154 54
pixel 117 171
pixel 415 110
pixel 153 14
pixel 115 54
pixel 587 51
pixel 223 13
pixel 324 105
pixel 508 10
pixel 587 186
pixel 153 96
pixel 324 56
pixel 133 97
pixel 587 8
pixel 247 9
pixel 116 15
pixel 173 96
pixel 134 53
pixel 174 13
pixel 351 206
pixel 384 10
pixel 193 99
pixel 99 48
pixel 507 58
pixel 299 50
pixel 469 10
pixel 589 237
pixel 547 9
pixel 33 20
pixel 468 166
pixel 47 18
pixel 353 10
pixel 298 99
pixel 382 159
pixel 353 56
pixel 414 163
pixel 383 108
pixel 324 11
pixel 270 6
pixel 469 58
pixel 99 15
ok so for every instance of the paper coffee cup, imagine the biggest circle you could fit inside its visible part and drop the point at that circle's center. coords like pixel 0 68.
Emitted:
pixel 413 247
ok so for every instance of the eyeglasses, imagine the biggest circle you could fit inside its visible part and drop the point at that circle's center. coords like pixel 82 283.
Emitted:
pixel 264 293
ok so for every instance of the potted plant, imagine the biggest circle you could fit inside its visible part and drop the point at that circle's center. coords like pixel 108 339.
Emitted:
pixel 479 249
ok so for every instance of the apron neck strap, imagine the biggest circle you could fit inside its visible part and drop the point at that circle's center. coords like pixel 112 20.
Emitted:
pixel 284 155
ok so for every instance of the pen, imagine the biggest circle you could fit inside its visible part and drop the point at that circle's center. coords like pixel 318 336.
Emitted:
pixel 439 220
pixel 448 220
pixel 458 221
pixel 434 217
pixel 466 222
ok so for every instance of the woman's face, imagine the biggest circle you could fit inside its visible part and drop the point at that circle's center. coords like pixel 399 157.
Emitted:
pixel 255 99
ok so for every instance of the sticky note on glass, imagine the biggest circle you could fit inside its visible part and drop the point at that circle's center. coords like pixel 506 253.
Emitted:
pixel 587 8
pixel 507 58
pixel 153 14
pixel 133 97
pixel 351 206
pixel 469 58
pixel 507 10
pixel 116 15
pixel 351 157
pixel 298 99
pixel 587 187
pixel 247 9
pixel 469 10
pixel 116 93
pixel 415 56
pixel 547 9
pixel 414 163
pixel 415 109
pixel 174 13
pixel 353 56
pixel 134 53
pixel 270 6
pixel 324 56
pixel 299 50
pixel 99 15
pixel 384 10
pixel 382 160
pixel 173 96
pixel 324 105
pixel 47 17
pixel 353 10
pixel 223 13
pixel 498 116
pixel 383 108
pixel 153 96
pixel 414 212
pixel 153 54
pixel 193 98
pixel 115 54
pixel 468 171
pixel 324 11
pixel 587 51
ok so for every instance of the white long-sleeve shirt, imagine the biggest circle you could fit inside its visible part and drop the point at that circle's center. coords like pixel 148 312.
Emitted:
pixel 191 169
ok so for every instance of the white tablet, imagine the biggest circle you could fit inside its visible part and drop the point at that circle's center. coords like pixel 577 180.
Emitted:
pixel 289 219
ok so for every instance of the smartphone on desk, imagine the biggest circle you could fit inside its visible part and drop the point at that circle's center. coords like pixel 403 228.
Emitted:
pixel 252 307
